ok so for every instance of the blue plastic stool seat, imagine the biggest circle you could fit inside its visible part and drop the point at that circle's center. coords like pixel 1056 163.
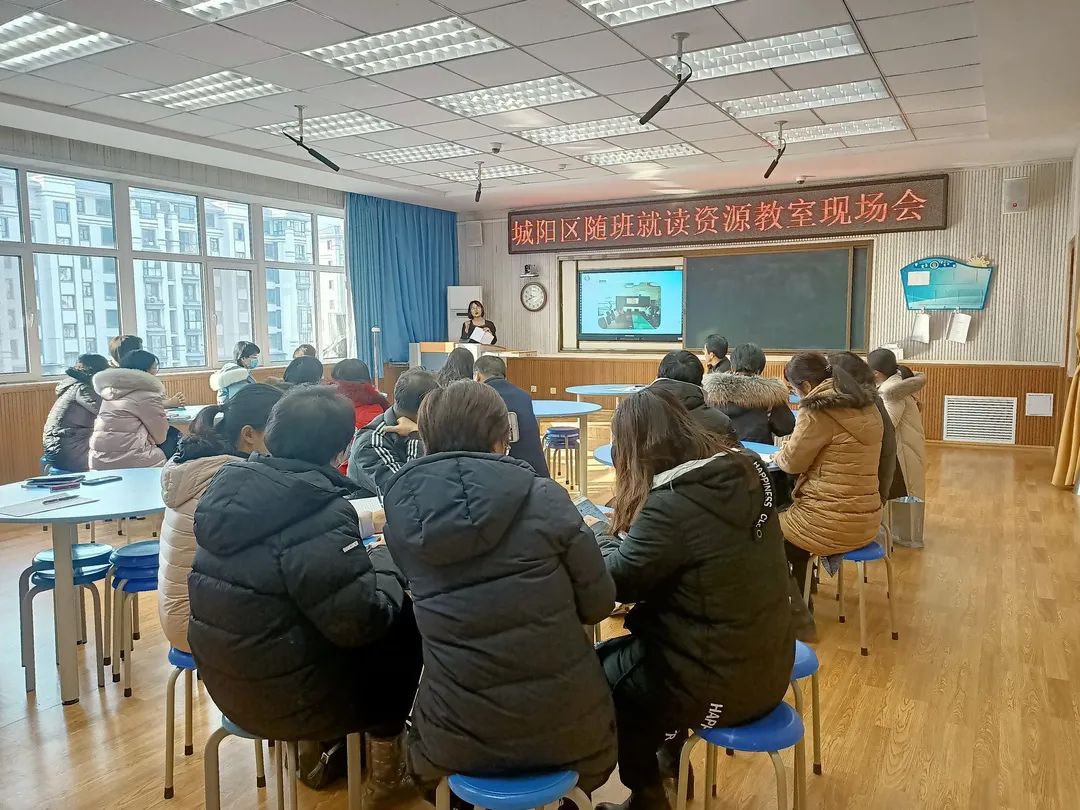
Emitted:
pixel 137 555
pixel 181 659
pixel 868 553
pixel 779 729
pixel 806 662
pixel 513 792
pixel 83 576
pixel 134 585
pixel 236 731
pixel 82 555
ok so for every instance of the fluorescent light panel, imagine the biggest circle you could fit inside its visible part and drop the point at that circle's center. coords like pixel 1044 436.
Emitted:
pixel 214 10
pixel 489 173
pixel 585 131
pixel 619 156
pixel 417 154
pixel 831 42
pixel 225 87
pixel 845 129
pixel 337 125
pixel 516 96
pixel 622 12
pixel 811 98
pixel 424 44
pixel 36 40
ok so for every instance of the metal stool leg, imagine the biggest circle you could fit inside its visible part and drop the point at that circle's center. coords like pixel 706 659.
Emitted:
pixel 80 615
pixel 800 775
pixel 781 781
pixel 277 758
pixel 682 789
pixel 861 567
pixel 119 598
pixel 99 649
pixel 28 638
pixel 580 800
pixel 840 591
pixel 815 705
pixel 125 630
pixel 24 588
pixel 170 729
pixel 892 601
pixel 135 617
pixel 807 581
pixel 189 746
pixel 354 770
pixel 710 775
pixel 442 795
pixel 107 596
pixel 211 777
pixel 260 769
pixel 292 758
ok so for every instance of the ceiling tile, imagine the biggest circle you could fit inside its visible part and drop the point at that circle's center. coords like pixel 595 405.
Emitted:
pixel 561 164
pixel 252 139
pixel 533 21
pixel 707 30
pixel 535 178
pixel 641 100
pixel 705 132
pixel 586 109
pixel 584 51
pixel 412 113
pixel 518 119
pixel 291 27
pixel 389 172
pixel 534 153
pixel 690 161
pixel 865 9
pixel 688 116
pixel 947 100
pixel 929 57
pixel 351 145
pixel 284 104
pixel 732 144
pixel 354 162
pixel 465 6
pixel 742 85
pixel 641 75
pixel 829 71
pixel 977 129
pixel 919 27
pixel 296 71
pixel 483 143
pixel 375 17
pixel 243 114
pixel 754 20
pixel 134 19
pixel 500 67
pixel 427 81
pixel 47 91
pixel 810 147
pixel 647 170
pixel 937 118
pixel 935 81
pixel 126 108
pixel 858 112
pixel 403 137
pixel 469 161
pixel 192 124
pixel 758 154
pixel 218 45
pixel 460 130
pixel 583 147
pixel 359 94
pixel 154 64
pixel 82 73
pixel 641 139
pixel 588 173
pixel 879 138
pixel 432 166
pixel 9 11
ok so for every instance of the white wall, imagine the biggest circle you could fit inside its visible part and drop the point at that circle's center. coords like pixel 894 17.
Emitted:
pixel 1026 312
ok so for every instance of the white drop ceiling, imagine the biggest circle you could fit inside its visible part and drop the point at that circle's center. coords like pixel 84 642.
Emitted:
pixel 972 83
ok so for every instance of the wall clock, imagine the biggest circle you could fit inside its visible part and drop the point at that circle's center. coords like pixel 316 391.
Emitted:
pixel 534 296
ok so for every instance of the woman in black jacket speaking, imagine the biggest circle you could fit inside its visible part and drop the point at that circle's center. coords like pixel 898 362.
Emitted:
pixel 697 546
pixel 503 573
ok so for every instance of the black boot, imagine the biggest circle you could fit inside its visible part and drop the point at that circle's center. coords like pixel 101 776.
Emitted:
pixel 389 784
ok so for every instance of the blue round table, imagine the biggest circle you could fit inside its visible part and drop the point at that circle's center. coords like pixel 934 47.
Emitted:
pixel 603 452
pixel 561 409
pixel 137 494
pixel 604 390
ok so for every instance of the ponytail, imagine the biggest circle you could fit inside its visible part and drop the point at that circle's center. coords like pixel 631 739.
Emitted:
pixel 222 424
pixel 844 382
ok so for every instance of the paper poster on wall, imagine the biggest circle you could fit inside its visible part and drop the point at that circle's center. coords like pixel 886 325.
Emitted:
pixel 959 324
pixel 920 328
pixel 936 283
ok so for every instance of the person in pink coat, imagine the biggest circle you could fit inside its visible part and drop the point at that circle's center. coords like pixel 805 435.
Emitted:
pixel 131 429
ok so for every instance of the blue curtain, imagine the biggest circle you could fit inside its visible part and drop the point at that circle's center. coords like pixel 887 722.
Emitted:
pixel 402 258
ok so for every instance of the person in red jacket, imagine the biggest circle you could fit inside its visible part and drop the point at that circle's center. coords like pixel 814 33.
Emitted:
pixel 353 379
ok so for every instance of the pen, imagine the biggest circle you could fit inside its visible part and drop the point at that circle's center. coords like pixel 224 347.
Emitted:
pixel 59 499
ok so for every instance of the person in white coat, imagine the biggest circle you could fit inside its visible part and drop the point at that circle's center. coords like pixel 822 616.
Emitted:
pixel 219 434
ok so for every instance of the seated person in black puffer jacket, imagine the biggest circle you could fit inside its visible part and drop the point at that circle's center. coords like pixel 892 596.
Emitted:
pixel 680 374
pixel 504 574
pixel 757 406
pixel 300 633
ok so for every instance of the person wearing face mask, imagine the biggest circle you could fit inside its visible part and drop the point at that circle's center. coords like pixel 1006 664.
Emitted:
pixel 236 374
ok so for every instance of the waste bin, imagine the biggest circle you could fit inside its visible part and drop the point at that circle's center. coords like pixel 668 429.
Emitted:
pixel 906 520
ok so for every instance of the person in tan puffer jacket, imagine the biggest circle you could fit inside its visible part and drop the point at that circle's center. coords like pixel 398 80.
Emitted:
pixel 835 451
pixel 899 396
pixel 219 434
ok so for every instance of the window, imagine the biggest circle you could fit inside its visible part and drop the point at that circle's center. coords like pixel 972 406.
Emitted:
pixel 80 205
pixel 87 290
pixel 84 262
pixel 334 312
pixel 109 290
pixel 228 229
pixel 13 357
pixel 213 245
pixel 183 329
pixel 331 241
pixel 54 308
pixel 69 331
pixel 232 310
pixel 10 223
pixel 84 235
pixel 296 317
pixel 170 209
pixel 67 273
pixel 51 197
pixel 289 232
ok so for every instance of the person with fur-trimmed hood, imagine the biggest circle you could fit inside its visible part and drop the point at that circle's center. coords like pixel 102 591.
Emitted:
pixel 757 406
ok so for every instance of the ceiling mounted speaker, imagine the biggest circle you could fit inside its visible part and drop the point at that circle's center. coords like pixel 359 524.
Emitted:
pixel 474 234
pixel 1015 195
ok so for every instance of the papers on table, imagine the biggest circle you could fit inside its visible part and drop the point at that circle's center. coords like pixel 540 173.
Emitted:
pixel 27 508
pixel 480 336
pixel 959 324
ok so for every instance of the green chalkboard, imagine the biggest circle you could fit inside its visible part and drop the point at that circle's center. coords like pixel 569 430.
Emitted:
pixel 784 300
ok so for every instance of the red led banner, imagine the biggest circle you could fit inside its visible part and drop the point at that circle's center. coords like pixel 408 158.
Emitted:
pixel 909 204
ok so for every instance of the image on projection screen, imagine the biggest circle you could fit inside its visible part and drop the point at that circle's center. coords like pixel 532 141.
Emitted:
pixel 642 305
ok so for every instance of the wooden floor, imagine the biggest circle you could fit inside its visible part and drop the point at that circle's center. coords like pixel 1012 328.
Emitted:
pixel 976 706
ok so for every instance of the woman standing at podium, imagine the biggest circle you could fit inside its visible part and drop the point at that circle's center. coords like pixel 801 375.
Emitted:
pixel 476 320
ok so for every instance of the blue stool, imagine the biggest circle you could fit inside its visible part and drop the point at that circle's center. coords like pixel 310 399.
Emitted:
pixel 211 772
pixel 806 666
pixel 45 580
pixel 182 662
pixel 872 552
pixel 559 441
pixel 512 792
pixel 134 571
pixel 780 729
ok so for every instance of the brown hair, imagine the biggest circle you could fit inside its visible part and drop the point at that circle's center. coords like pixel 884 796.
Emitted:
pixel 814 368
pixel 652 432
pixel 855 366
pixel 463 416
